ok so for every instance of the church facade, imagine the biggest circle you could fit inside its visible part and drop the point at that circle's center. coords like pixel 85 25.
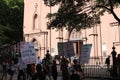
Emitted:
pixel 102 36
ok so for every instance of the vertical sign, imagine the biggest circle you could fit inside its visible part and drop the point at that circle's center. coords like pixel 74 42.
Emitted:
pixel 28 52
pixel 32 53
pixel 85 55
pixel 66 49
pixel 61 48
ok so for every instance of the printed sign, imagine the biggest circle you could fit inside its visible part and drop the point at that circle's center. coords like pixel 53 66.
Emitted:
pixel 85 55
pixel 61 48
pixel 66 49
pixel 28 52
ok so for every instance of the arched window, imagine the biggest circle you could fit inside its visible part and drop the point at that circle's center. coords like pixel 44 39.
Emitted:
pixel 76 35
pixel 35 21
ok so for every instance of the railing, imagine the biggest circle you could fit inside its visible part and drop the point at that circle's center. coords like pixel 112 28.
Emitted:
pixel 100 71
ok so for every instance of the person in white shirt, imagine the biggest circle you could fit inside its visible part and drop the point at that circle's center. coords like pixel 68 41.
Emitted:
pixel 39 61
pixel 21 69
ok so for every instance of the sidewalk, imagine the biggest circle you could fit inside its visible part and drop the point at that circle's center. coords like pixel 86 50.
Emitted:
pixel 59 78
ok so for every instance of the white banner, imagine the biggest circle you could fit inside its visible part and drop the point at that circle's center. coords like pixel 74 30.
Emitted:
pixel 85 55
pixel 28 52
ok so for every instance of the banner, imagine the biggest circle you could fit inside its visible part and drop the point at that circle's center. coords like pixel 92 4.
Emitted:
pixel 28 52
pixel 61 48
pixel 85 54
pixel 66 49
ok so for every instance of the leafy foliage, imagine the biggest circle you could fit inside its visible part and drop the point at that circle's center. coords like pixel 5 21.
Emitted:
pixel 79 14
pixel 71 14
pixel 11 20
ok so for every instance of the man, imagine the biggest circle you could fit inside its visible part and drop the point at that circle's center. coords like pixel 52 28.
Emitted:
pixel 108 62
pixel 38 60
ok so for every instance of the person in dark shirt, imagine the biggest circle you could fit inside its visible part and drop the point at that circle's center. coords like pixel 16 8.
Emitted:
pixel 64 68
pixel 78 69
pixel 74 76
pixel 54 70
pixel 39 75
pixel 107 61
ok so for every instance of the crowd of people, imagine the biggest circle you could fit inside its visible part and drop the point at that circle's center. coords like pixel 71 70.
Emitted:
pixel 43 69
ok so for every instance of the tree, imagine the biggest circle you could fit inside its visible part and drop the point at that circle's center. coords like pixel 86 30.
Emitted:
pixel 11 21
pixel 79 14
pixel 107 5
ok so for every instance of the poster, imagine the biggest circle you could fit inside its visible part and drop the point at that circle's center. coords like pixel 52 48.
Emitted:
pixel 66 49
pixel 61 48
pixel 85 54
pixel 28 52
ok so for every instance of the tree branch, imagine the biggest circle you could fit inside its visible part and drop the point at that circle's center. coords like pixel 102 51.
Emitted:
pixel 101 6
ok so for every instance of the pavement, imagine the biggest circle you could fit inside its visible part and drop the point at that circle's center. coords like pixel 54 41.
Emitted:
pixel 59 77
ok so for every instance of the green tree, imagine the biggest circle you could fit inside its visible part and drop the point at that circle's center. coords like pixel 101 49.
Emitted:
pixel 79 14
pixel 107 5
pixel 11 21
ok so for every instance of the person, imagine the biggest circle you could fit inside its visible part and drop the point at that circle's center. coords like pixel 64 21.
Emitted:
pixel 107 61
pixel 32 70
pixel 39 75
pixel 64 68
pixel 5 68
pixel 38 60
pixel 21 69
pixel 28 71
pixel 46 68
pixel 74 75
pixel 12 70
pixel 54 70
pixel 78 69
pixel 48 55
pixel 118 64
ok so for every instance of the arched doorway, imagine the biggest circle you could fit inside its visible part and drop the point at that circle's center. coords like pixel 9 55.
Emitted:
pixel 77 41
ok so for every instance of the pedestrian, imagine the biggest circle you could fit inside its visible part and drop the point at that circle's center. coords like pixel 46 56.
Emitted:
pixel 12 70
pixel 74 75
pixel 107 61
pixel 54 70
pixel 39 61
pixel 29 76
pixel 77 67
pixel 39 75
pixel 21 70
pixel 64 68
pixel 46 68
pixel 118 64
pixel 32 70
pixel 5 68
pixel 48 56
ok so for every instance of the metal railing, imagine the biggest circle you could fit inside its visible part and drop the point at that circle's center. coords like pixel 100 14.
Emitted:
pixel 100 71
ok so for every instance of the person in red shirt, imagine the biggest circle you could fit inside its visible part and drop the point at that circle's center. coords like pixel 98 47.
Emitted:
pixel 32 70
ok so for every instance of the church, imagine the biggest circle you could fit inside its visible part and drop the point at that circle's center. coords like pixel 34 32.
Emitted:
pixel 102 36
